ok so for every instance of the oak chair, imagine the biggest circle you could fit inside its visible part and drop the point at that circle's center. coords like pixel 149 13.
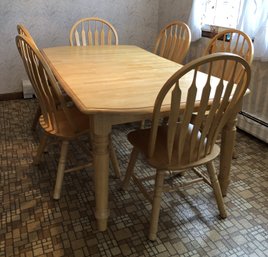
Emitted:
pixel 179 146
pixel 96 31
pixel 173 41
pixel 231 41
pixel 22 30
pixel 93 31
pixel 59 120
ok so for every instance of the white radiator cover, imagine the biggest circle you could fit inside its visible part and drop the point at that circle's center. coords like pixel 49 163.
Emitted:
pixel 27 89
pixel 255 104
pixel 254 128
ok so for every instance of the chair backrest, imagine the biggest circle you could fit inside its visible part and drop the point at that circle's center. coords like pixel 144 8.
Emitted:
pixel 44 83
pixel 173 41
pixel 93 31
pixel 232 41
pixel 22 30
pixel 217 101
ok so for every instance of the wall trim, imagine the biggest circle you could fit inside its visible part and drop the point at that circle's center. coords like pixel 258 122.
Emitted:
pixel 11 96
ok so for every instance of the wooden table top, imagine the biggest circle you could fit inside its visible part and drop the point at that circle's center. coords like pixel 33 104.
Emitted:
pixel 111 79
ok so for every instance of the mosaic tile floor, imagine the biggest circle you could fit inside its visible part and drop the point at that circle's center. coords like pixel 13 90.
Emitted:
pixel 33 224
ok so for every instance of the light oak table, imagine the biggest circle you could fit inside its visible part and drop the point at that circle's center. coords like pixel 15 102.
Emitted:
pixel 115 85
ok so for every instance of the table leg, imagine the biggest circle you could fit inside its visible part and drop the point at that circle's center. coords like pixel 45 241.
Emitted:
pixel 101 132
pixel 227 145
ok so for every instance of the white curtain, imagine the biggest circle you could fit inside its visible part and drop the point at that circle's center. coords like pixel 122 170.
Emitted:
pixel 253 20
pixel 195 19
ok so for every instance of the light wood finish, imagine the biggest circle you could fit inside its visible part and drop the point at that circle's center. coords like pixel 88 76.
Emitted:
pixel 22 30
pixel 173 41
pixel 122 87
pixel 59 119
pixel 177 146
pixel 231 41
pixel 93 31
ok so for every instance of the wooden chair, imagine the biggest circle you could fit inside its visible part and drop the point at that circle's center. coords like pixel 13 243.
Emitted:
pixel 179 146
pixel 173 41
pixel 23 31
pixel 93 31
pixel 231 41
pixel 58 120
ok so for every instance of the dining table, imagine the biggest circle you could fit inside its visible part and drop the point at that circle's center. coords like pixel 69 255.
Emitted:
pixel 116 84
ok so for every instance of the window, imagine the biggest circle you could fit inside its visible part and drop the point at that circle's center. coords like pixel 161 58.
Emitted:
pixel 249 16
pixel 221 13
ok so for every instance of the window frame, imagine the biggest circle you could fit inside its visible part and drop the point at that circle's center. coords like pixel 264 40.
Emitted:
pixel 210 30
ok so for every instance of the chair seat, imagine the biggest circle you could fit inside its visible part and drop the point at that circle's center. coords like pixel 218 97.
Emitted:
pixel 140 139
pixel 64 130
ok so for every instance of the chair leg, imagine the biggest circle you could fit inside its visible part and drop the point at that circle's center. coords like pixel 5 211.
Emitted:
pixel 234 154
pixel 158 188
pixel 61 168
pixel 36 118
pixel 130 168
pixel 216 189
pixel 40 150
pixel 142 125
pixel 114 161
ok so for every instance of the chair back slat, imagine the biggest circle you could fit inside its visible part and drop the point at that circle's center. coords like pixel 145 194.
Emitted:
pixel 101 33
pixel 173 41
pixel 83 35
pixel 173 44
pixel 103 36
pixel 186 118
pixel 210 121
pixel 214 99
pixel 173 119
pixel 96 35
pixel 204 103
pixel 89 35
pixel 77 38
pixel 44 83
pixel 169 41
pixel 109 37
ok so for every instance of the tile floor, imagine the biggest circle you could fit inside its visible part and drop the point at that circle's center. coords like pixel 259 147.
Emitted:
pixel 33 224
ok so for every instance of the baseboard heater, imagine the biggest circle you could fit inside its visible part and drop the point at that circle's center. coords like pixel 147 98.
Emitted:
pixel 254 118
pixel 253 125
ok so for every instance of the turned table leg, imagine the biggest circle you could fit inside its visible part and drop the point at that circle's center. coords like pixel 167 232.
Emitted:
pixel 101 133
pixel 227 145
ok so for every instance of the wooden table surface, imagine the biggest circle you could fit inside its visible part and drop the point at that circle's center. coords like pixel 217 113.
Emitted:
pixel 110 78
pixel 113 85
